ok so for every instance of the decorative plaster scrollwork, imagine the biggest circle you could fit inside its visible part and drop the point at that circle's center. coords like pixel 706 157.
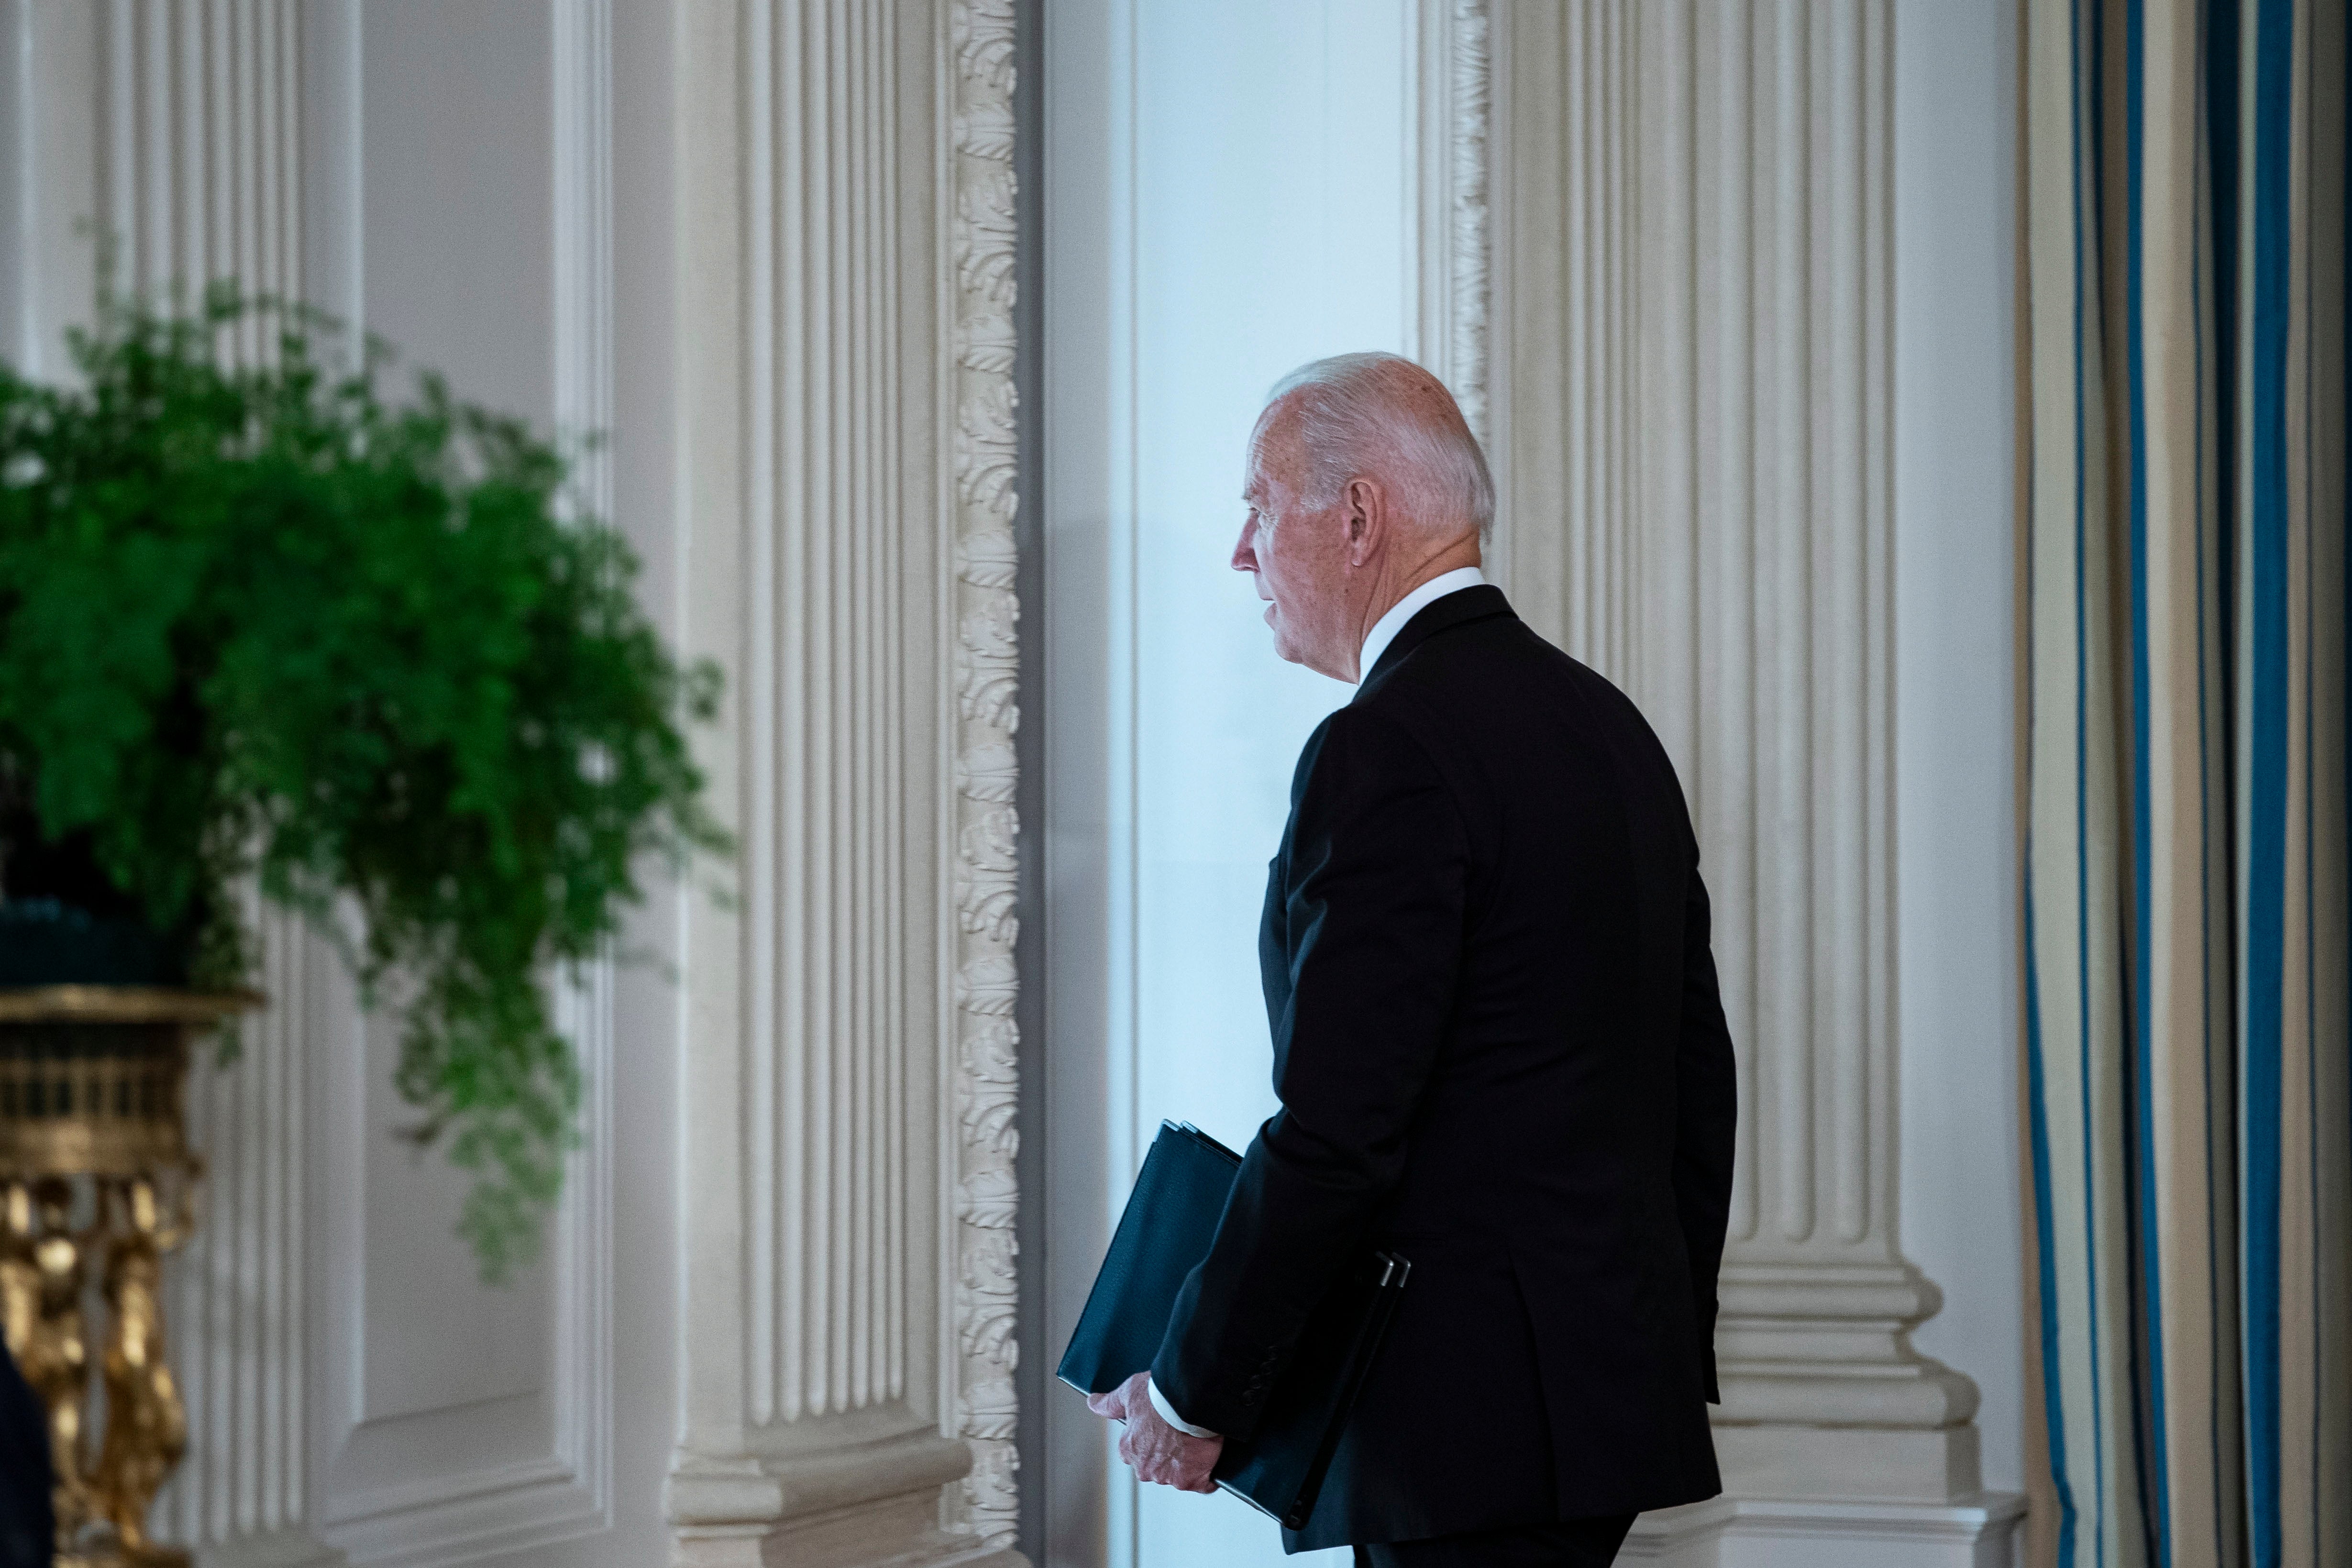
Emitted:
pixel 988 1063
pixel 1471 231
pixel 988 773
pixel 985 343
pixel 984 442
pixel 986 657
pixel 986 556
pixel 984 901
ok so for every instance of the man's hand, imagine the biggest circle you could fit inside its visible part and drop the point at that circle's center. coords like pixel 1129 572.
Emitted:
pixel 1157 1452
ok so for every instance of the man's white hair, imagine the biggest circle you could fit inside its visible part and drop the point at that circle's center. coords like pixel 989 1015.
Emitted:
pixel 1354 425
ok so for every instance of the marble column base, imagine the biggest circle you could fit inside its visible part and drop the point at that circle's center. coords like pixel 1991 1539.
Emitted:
pixel 864 1542
pixel 1861 1463
pixel 841 1505
pixel 272 1549
pixel 1977 1532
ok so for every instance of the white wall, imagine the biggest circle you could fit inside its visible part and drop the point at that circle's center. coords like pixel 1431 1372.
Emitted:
pixel 465 255
pixel 1956 836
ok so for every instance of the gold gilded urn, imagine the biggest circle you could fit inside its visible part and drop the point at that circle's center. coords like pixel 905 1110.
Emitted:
pixel 96 1184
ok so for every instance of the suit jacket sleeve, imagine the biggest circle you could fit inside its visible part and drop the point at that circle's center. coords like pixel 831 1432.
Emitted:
pixel 1707 1111
pixel 1363 946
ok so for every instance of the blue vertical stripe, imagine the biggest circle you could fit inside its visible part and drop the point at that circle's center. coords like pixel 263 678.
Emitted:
pixel 2309 577
pixel 2084 891
pixel 2153 1458
pixel 2266 848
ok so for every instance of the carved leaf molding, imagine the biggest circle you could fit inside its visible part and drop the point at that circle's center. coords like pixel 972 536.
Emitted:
pixel 984 1406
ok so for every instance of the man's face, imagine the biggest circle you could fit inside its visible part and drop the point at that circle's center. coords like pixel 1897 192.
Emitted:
pixel 1298 554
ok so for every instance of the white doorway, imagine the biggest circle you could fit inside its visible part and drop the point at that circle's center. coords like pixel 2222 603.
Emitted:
pixel 1232 187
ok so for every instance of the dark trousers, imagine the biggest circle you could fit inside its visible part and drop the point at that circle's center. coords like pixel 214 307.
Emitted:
pixel 1572 1543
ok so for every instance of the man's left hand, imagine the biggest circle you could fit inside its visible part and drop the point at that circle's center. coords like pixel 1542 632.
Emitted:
pixel 1157 1452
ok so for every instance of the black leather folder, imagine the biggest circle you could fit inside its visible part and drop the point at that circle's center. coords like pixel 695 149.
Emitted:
pixel 1170 1219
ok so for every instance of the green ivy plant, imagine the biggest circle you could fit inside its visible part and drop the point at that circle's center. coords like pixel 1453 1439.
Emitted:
pixel 256 621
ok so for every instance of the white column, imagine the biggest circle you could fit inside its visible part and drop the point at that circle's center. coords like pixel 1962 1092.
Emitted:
pixel 845 241
pixel 1697 493
pixel 174 131
pixel 241 1329
pixel 1785 677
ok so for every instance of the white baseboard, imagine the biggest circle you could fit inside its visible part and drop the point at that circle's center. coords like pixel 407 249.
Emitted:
pixel 1781 1532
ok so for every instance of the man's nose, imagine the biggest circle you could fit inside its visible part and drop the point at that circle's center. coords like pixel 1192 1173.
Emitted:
pixel 1246 549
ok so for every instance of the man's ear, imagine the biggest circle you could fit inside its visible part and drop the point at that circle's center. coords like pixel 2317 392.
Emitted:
pixel 1361 504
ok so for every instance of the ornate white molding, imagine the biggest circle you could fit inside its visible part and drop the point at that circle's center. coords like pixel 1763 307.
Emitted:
pixel 1452 105
pixel 985 1079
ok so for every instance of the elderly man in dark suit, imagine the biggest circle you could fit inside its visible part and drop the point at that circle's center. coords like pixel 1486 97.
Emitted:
pixel 1497 1036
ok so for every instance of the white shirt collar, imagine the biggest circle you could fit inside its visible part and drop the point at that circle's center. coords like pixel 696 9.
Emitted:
pixel 1384 630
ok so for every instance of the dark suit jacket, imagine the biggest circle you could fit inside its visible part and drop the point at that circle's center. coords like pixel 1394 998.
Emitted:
pixel 1499 1051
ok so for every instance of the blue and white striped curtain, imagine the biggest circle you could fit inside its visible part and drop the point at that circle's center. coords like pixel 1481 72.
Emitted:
pixel 2188 1027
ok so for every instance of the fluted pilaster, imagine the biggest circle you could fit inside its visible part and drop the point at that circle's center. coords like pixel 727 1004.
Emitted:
pixel 845 317
pixel 198 176
pixel 1697 498
pixel 200 144
pixel 1570 466
pixel 240 1307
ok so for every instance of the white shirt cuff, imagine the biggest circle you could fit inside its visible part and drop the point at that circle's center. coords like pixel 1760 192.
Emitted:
pixel 1167 1412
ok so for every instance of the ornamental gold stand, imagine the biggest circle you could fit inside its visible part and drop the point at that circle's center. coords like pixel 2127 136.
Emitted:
pixel 96 1183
